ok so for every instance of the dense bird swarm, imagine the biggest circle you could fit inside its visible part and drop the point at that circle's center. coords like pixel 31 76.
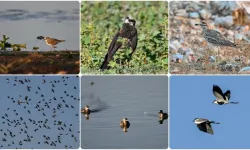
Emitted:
pixel 41 112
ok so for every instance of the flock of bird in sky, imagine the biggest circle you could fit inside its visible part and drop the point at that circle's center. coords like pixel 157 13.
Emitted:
pixel 42 112
pixel 221 99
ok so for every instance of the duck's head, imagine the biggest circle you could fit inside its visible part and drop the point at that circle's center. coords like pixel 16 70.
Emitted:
pixel 160 112
pixel 125 119
pixel 86 107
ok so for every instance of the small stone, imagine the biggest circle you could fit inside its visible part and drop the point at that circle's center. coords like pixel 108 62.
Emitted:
pixel 182 13
pixel 176 56
pixel 193 32
pixel 205 14
pixel 239 36
pixel 194 15
pixel 224 21
pixel 176 44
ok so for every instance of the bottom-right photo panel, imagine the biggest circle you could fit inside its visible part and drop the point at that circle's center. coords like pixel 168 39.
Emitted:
pixel 209 112
pixel 124 112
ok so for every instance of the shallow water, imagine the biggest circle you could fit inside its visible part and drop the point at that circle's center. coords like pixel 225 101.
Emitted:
pixel 24 21
pixel 124 97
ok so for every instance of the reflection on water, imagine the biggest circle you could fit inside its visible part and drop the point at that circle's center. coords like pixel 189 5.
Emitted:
pixel 96 103
pixel 24 21
pixel 124 97
pixel 125 124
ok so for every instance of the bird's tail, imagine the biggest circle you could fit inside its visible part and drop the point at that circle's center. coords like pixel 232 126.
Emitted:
pixel 214 122
pixel 105 63
pixel 234 102
pixel 62 40
pixel 110 55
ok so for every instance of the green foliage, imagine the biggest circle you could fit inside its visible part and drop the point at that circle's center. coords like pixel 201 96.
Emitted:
pixel 15 47
pixel 4 44
pixel 102 20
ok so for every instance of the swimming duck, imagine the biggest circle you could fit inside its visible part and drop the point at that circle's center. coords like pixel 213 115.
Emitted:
pixel 124 124
pixel 85 110
pixel 222 98
pixel 162 115
pixel 205 125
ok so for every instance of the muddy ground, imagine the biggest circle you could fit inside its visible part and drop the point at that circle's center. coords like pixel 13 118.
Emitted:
pixel 51 62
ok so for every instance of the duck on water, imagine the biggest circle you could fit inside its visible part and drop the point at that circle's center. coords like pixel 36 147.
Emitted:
pixel 125 124
pixel 162 116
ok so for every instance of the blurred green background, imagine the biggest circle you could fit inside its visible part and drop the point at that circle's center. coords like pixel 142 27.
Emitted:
pixel 102 20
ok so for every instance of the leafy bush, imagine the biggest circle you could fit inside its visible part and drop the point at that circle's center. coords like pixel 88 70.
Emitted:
pixel 101 21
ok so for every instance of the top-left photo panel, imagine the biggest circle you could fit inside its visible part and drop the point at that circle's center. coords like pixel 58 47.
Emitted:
pixel 39 37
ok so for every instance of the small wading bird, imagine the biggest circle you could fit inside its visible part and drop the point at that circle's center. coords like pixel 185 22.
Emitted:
pixel 124 124
pixel 214 37
pixel 50 41
pixel 205 125
pixel 128 31
pixel 222 98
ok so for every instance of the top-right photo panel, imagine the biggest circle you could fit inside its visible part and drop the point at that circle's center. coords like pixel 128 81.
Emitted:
pixel 209 37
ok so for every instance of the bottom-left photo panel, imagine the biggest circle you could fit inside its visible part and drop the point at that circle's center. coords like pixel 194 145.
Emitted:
pixel 39 112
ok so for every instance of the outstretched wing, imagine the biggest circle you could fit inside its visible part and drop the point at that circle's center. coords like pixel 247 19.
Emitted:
pixel 205 128
pixel 218 92
pixel 202 127
pixel 209 128
pixel 228 94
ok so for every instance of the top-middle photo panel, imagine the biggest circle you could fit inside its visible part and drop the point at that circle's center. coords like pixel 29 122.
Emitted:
pixel 124 37
pixel 209 37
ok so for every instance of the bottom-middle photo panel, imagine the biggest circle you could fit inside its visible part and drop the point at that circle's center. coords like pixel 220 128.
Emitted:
pixel 124 112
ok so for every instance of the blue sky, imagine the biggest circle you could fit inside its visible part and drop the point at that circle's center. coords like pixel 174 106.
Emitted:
pixel 191 97
pixel 66 115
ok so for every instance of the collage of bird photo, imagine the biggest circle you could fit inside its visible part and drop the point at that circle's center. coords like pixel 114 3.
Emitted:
pixel 99 74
